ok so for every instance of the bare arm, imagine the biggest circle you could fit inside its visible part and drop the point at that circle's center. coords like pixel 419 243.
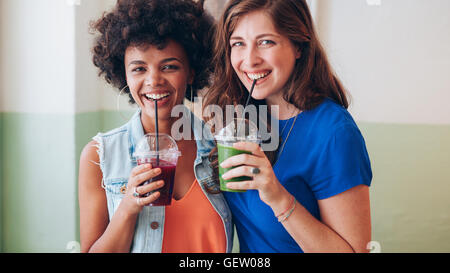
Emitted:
pixel 345 224
pixel 97 233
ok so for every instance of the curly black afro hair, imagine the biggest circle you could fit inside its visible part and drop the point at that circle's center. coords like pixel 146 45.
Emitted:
pixel 138 22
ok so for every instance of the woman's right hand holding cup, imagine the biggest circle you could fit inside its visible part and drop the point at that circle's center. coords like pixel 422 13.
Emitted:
pixel 139 175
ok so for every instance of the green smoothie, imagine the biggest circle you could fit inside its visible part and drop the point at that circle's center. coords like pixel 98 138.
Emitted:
pixel 225 152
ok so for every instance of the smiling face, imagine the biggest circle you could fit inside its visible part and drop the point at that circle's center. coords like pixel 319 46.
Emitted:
pixel 157 74
pixel 259 51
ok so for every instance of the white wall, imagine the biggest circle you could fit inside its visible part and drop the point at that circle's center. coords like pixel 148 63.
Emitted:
pixel 108 97
pixel 37 57
pixel 2 29
pixel 88 86
pixel 393 58
pixel 215 8
pixel 46 78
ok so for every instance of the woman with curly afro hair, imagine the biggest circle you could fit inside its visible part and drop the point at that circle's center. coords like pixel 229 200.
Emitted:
pixel 154 51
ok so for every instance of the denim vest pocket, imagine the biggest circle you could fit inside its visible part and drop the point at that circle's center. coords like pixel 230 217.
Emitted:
pixel 115 191
pixel 211 185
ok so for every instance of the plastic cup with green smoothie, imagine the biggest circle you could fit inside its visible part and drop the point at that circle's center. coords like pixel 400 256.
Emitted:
pixel 239 130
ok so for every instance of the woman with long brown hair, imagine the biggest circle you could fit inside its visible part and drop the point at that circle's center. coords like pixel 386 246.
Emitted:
pixel 313 196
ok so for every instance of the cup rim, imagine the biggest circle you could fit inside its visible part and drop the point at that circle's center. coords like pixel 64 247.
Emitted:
pixel 219 138
pixel 173 151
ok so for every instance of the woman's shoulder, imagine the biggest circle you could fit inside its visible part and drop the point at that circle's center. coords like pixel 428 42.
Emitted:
pixel 330 116
pixel 92 150
pixel 325 120
pixel 119 130
pixel 89 170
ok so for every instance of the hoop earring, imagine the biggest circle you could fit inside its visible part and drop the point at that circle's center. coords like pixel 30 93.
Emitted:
pixel 118 103
pixel 118 98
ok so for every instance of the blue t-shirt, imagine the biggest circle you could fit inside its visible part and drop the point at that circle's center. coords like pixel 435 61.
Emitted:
pixel 325 155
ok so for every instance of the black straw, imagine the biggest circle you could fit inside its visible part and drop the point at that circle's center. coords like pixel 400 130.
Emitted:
pixel 250 95
pixel 246 104
pixel 156 129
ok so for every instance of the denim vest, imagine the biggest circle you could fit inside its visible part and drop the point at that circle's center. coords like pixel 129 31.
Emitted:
pixel 116 148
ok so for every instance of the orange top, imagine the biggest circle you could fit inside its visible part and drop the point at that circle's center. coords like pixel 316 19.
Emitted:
pixel 192 225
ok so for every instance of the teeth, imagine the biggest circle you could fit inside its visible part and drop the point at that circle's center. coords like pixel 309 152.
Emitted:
pixel 156 96
pixel 257 76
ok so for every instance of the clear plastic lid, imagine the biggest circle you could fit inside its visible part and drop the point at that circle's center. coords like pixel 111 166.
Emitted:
pixel 151 146
pixel 238 130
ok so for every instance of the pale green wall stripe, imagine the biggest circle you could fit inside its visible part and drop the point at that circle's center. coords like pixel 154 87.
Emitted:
pixel 86 126
pixel 113 119
pixel 1 182
pixel 39 182
pixel 410 193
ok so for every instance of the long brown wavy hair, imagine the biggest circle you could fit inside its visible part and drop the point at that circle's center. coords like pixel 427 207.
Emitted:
pixel 312 79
